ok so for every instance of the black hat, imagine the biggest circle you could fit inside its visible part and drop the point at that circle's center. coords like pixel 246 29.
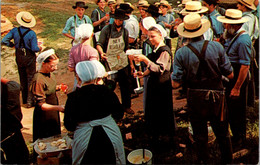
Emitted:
pixel 153 10
pixel 120 14
pixel 126 7
pixel 80 4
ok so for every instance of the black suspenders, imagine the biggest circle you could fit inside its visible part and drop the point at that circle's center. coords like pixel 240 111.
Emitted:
pixel 21 42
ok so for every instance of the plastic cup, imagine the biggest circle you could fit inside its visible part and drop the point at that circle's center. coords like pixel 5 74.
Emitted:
pixel 63 87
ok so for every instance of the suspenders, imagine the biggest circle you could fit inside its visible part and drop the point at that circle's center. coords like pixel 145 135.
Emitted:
pixel 21 42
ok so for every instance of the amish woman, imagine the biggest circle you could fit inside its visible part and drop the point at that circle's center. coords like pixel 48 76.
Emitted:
pixel 159 115
pixel 90 113
pixel 46 119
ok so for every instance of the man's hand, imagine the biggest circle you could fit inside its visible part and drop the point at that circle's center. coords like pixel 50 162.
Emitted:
pixel 103 56
pixel 234 93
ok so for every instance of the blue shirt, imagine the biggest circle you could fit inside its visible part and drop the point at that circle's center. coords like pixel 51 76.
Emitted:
pixel 70 24
pixel 216 25
pixel 186 63
pixel 30 39
pixel 240 50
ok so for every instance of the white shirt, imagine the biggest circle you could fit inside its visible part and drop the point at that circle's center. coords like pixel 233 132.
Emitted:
pixel 132 26
pixel 251 26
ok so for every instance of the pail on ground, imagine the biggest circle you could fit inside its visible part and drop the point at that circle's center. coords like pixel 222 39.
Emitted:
pixel 136 157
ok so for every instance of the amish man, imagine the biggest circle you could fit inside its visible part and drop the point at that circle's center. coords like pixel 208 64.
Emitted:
pixel 25 42
pixel 112 45
pixel 202 70
pixel 238 48
pixel 73 22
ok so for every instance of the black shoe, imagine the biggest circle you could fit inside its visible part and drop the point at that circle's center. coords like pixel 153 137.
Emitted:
pixel 134 96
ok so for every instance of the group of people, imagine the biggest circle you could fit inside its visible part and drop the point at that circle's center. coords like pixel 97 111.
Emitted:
pixel 216 83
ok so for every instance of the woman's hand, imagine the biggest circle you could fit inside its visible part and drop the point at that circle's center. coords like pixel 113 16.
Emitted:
pixel 60 109
pixel 139 74
pixel 103 56
pixel 140 58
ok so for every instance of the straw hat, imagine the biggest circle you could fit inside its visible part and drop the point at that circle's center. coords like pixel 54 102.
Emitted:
pixel 248 3
pixel 111 2
pixel 232 16
pixel 132 6
pixel 193 26
pixel 157 4
pixel 165 3
pixel 193 7
pixel 183 2
pixel 25 19
pixel 143 3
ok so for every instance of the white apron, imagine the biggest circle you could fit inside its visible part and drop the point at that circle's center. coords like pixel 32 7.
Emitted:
pixel 116 57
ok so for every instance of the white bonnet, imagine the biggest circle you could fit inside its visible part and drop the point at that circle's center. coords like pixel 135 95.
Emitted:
pixel 43 56
pixel 100 69
pixel 148 22
pixel 85 31
pixel 161 29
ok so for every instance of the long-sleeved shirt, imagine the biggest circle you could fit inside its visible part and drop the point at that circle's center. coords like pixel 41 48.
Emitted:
pixel 30 39
pixel 186 63
pixel 251 26
pixel 216 25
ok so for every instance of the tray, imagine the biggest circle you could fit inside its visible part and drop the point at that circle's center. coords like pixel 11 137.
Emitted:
pixel 52 151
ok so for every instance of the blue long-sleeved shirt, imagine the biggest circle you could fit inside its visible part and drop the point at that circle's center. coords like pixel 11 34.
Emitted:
pixel 30 39
pixel 186 63
pixel 216 25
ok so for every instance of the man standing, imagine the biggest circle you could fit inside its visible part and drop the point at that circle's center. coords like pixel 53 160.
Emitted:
pixel 25 42
pixel 131 25
pixel 238 48
pixel 73 22
pixel 212 15
pixel 112 45
pixel 201 69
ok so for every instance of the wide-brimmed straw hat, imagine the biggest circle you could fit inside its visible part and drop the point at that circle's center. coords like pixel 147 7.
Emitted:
pixel 183 2
pixel 111 2
pixel 143 3
pixel 26 19
pixel 193 7
pixel 120 14
pixel 248 3
pixel 165 3
pixel 232 16
pixel 80 4
pixel 193 26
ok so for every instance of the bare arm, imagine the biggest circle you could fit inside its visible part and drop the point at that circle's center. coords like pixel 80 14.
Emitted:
pixel 175 84
pixel 230 76
pixel 49 107
pixel 68 35
pixel 101 52
pixel 100 21
pixel 240 80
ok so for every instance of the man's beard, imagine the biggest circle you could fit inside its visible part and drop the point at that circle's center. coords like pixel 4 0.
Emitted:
pixel 229 33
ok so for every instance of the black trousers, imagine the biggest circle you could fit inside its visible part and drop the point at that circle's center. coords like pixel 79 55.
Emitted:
pixel 124 81
pixel 26 74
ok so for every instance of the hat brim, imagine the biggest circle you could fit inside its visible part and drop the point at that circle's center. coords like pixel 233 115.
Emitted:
pixel 125 17
pixel 202 10
pixel 25 24
pixel 204 27
pixel 85 7
pixel 168 5
pixel 252 6
pixel 223 19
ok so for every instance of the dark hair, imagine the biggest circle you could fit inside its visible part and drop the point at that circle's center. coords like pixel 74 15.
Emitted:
pixel 211 2
pixel 51 58
pixel 97 1
pixel 154 29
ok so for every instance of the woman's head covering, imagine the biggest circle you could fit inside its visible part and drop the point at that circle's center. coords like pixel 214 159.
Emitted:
pixel 87 71
pixel 85 31
pixel 43 56
pixel 148 22
pixel 161 29
pixel 100 69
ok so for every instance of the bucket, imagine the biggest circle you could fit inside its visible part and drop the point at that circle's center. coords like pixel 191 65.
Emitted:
pixel 136 157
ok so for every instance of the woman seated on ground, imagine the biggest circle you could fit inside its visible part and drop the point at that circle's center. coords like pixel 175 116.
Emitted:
pixel 46 119
pixel 159 115
pixel 89 112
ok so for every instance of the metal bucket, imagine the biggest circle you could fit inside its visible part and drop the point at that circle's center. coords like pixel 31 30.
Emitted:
pixel 136 157
pixel 112 75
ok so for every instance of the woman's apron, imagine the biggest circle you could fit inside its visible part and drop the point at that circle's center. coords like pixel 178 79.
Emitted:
pixel 116 56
